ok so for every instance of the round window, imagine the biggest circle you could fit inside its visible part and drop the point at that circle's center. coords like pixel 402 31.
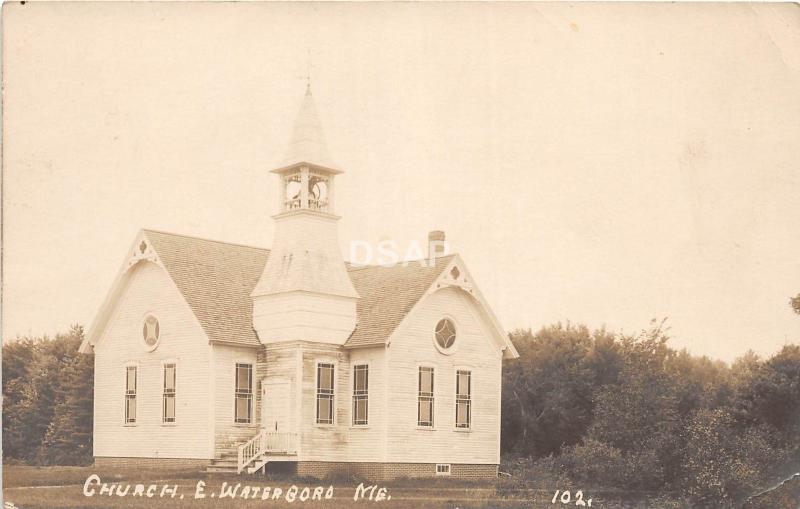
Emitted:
pixel 445 333
pixel 151 331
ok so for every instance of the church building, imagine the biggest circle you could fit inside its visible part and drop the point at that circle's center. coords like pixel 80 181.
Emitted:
pixel 230 358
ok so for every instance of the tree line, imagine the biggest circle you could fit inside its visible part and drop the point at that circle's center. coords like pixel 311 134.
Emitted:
pixel 628 411
pixel 590 406
pixel 48 400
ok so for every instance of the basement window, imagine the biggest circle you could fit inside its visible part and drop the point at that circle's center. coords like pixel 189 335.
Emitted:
pixel 443 469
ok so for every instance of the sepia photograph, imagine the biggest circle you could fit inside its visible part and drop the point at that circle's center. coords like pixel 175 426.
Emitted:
pixel 447 255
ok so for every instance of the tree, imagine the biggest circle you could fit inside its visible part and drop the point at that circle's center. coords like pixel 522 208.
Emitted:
pixel 771 396
pixel 639 414
pixel 547 394
pixel 68 439
pixel 48 399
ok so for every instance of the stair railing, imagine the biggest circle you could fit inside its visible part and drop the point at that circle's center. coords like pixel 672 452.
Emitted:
pixel 280 442
pixel 250 450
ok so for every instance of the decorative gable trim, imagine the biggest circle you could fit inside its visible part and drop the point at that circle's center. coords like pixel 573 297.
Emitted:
pixel 456 275
pixel 141 250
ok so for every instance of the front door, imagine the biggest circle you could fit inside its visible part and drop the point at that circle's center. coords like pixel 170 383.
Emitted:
pixel 275 405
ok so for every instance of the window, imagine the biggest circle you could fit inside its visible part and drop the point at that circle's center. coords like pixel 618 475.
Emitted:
pixel 445 333
pixel 244 393
pixel 168 412
pixel 324 393
pixel 292 187
pixel 463 399
pixel 425 397
pixel 443 469
pixel 317 191
pixel 151 331
pixel 360 394
pixel 130 394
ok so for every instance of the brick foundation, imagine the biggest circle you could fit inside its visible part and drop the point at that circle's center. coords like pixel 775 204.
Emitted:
pixel 319 469
pixel 151 463
pixel 388 471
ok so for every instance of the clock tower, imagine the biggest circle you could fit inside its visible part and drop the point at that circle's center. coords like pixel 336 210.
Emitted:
pixel 305 292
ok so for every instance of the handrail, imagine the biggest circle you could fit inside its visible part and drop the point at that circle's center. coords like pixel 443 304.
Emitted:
pixel 281 442
pixel 264 442
pixel 249 450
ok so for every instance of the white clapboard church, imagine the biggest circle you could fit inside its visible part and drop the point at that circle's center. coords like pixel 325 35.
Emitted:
pixel 230 357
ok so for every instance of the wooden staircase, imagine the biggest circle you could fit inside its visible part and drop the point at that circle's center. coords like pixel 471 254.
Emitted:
pixel 254 454
pixel 227 463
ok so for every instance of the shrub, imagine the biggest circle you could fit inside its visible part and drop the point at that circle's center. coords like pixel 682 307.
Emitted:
pixel 722 465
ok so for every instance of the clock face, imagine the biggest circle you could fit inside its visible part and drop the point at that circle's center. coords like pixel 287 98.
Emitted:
pixel 293 190
pixel 318 190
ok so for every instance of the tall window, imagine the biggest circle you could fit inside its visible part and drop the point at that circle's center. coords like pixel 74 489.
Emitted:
pixel 169 393
pixel 324 393
pixel 244 393
pixel 130 394
pixel 425 397
pixel 463 399
pixel 360 394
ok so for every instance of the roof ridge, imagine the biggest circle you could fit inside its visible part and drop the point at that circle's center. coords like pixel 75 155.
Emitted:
pixel 352 267
pixel 196 237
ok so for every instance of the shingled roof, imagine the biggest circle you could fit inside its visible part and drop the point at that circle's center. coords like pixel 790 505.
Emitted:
pixel 216 279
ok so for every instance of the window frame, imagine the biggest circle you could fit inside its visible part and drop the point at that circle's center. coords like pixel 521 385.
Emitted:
pixel 247 395
pixel 431 396
pixel 364 395
pixel 331 396
pixel 130 394
pixel 165 394
pixel 151 314
pixel 444 469
pixel 456 326
pixel 468 400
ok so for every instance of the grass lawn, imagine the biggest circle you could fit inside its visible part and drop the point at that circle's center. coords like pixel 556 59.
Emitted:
pixel 49 487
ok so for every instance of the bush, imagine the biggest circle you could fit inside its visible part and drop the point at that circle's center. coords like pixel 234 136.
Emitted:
pixel 598 464
pixel 723 465
pixel 527 473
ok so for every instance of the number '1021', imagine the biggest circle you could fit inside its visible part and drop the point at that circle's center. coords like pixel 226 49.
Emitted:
pixel 565 497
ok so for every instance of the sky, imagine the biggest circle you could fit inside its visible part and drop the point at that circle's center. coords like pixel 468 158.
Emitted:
pixel 595 163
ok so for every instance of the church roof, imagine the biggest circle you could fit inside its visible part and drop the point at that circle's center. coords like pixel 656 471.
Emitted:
pixel 307 144
pixel 216 279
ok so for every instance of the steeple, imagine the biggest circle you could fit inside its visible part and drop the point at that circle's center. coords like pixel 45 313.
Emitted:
pixel 307 144
pixel 305 293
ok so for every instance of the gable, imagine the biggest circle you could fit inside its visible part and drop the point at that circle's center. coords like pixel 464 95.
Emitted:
pixel 473 334
pixel 455 285
pixel 149 291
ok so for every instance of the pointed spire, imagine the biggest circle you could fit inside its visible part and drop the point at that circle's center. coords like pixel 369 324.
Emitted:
pixel 307 143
